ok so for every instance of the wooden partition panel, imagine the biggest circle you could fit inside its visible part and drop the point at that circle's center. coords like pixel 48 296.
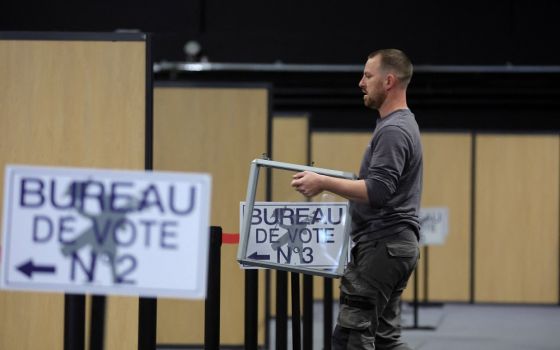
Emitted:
pixel 69 103
pixel 517 192
pixel 447 183
pixel 219 131
pixel 290 136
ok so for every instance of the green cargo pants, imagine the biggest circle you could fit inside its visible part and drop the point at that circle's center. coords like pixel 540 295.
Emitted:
pixel 371 287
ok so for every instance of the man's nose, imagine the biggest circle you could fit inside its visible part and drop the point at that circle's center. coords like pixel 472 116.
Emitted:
pixel 361 83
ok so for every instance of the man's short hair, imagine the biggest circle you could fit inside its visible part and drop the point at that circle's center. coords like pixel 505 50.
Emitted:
pixel 395 61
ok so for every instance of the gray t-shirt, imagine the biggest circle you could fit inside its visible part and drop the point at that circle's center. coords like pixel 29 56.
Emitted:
pixel 392 170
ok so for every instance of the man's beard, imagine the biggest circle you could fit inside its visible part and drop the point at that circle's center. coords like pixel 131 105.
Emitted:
pixel 376 101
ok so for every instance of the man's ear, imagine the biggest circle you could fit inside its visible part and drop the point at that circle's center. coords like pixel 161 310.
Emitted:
pixel 390 81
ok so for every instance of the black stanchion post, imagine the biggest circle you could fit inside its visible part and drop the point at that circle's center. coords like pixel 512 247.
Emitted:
pixel 97 323
pixel 267 305
pixel 251 309
pixel 74 321
pixel 328 313
pixel 212 305
pixel 307 312
pixel 147 323
pixel 296 319
pixel 147 307
pixel 281 310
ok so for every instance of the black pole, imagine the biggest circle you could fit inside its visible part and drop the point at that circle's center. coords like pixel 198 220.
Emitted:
pixel 416 322
pixel 212 305
pixel 147 323
pixel 472 234
pixel 281 310
pixel 426 259
pixel 327 313
pixel 415 298
pixel 296 319
pixel 267 305
pixel 74 321
pixel 307 312
pixel 251 309
pixel 147 307
pixel 97 323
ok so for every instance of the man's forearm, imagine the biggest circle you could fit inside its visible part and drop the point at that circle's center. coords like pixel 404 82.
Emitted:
pixel 354 190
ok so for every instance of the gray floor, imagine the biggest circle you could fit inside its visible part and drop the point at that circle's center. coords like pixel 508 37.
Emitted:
pixel 471 327
pixel 465 327
pixel 487 327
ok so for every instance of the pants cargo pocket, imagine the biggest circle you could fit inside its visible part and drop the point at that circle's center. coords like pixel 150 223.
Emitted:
pixel 353 329
pixel 353 317
pixel 402 250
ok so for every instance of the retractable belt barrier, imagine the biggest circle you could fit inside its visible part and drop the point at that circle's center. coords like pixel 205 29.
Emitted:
pixel 74 319
pixel 301 338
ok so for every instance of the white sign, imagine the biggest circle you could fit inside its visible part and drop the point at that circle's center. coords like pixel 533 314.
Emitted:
pixel 297 234
pixel 433 225
pixel 105 232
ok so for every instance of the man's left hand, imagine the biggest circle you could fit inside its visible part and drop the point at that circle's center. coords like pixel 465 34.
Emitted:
pixel 308 183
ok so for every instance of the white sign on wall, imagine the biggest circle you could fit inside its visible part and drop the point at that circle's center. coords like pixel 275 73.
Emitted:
pixel 105 232
pixel 433 225
pixel 306 234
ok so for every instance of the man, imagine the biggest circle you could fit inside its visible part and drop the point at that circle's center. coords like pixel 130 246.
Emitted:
pixel 384 208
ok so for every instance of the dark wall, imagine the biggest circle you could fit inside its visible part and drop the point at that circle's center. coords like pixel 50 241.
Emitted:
pixel 328 31
pixel 473 32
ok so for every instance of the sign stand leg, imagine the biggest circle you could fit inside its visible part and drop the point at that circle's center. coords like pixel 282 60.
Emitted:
pixel 97 325
pixel 147 323
pixel 415 326
pixel 296 319
pixel 74 321
pixel 328 313
pixel 267 305
pixel 416 298
pixel 307 312
pixel 281 310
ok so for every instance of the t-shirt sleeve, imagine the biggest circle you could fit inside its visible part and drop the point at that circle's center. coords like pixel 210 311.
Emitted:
pixel 388 159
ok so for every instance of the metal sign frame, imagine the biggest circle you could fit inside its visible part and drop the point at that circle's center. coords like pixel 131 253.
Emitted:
pixel 250 203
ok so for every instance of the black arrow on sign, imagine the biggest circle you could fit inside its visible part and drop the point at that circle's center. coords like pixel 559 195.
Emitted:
pixel 28 268
pixel 256 256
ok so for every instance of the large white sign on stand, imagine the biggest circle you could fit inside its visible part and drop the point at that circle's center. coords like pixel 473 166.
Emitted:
pixel 105 232
pixel 434 225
